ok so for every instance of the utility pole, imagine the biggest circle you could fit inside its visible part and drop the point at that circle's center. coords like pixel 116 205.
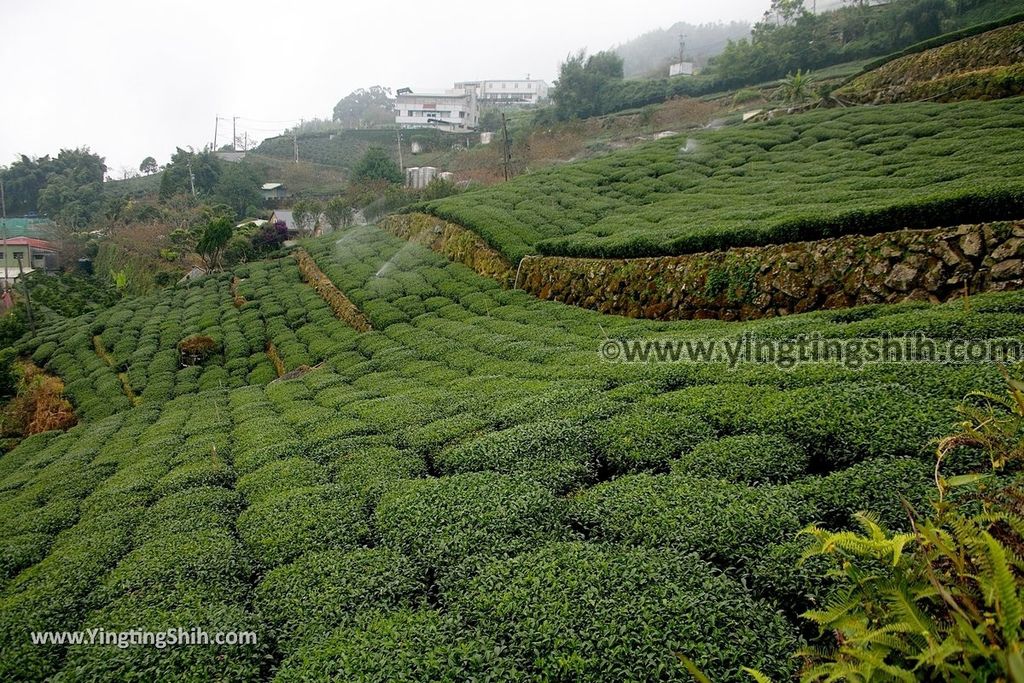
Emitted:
pixel 3 212
pixel 234 134
pixel 682 48
pixel 3 228
pixel 295 146
pixel 28 299
pixel 216 121
pixel 245 145
pixel 508 152
pixel 401 164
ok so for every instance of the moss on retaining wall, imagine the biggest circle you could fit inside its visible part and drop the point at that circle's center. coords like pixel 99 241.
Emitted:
pixel 754 282
pixel 986 66
pixel 342 306
pixel 454 241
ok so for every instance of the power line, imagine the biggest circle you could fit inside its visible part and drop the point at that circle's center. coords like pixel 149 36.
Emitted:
pixel 246 118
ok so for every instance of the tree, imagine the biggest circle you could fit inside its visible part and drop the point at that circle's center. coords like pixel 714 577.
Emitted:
pixel 605 64
pixel 148 166
pixel 306 213
pixel 377 165
pixel 366 107
pixel 338 212
pixel 238 187
pixel 583 82
pixel 187 169
pixel 27 177
pixel 490 120
pixel 69 204
pixel 211 245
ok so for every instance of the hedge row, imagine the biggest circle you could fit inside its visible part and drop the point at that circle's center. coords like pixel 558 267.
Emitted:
pixel 809 176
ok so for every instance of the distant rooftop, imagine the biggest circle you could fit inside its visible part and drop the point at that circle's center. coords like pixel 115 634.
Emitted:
pixel 272 186
pixel 27 242
pixel 456 93
pixel 285 217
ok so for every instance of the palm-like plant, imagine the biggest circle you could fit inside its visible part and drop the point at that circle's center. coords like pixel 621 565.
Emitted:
pixel 796 87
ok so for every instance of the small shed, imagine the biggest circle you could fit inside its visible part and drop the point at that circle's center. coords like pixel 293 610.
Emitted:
pixel 286 217
pixel 273 191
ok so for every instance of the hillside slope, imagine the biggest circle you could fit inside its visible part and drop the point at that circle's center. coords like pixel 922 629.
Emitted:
pixel 442 492
pixel 799 177
pixel 986 66
pixel 344 148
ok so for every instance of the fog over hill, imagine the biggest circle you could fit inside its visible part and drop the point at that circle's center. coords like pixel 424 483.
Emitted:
pixel 651 53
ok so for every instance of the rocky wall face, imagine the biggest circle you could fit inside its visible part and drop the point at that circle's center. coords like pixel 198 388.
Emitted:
pixel 753 282
pixel 453 241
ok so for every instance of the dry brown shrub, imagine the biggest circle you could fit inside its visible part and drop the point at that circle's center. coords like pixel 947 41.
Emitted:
pixel 40 404
pixel 195 349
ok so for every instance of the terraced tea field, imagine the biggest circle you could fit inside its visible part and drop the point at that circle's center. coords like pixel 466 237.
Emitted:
pixel 807 176
pixel 466 492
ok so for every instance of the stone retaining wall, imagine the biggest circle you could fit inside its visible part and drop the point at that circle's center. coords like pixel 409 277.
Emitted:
pixel 452 240
pixel 755 282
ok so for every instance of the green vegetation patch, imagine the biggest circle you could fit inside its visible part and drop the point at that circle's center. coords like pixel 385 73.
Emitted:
pixel 575 611
pixel 807 176
pixel 466 492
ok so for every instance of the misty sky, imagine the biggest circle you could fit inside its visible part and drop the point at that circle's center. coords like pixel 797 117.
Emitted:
pixel 131 78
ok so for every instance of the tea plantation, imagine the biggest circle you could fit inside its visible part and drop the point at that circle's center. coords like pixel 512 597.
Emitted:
pixel 467 492
pixel 807 176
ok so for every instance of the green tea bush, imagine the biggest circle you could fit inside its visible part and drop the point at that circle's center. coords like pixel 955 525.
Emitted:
pixel 762 183
pixel 54 592
pixel 207 472
pixel 303 601
pixel 841 424
pixel 723 522
pixel 449 525
pixel 173 662
pixel 370 472
pixel 575 611
pixel 746 459
pixel 18 551
pixel 284 525
pixel 279 476
pixel 879 485
pixel 207 508
pixel 648 439
pixel 405 646
pixel 207 563
pixel 557 454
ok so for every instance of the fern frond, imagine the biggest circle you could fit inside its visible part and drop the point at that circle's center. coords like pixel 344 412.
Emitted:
pixel 1007 601
pixel 756 675
pixel 936 655
pixel 967 631
pixel 876 661
pixel 837 607
pixel 912 615
pixel 697 674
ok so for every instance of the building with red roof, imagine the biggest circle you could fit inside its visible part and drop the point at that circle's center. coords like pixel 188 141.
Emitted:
pixel 25 255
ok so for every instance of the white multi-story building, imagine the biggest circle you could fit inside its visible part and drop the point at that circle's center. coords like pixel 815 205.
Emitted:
pixel 452 109
pixel 507 92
